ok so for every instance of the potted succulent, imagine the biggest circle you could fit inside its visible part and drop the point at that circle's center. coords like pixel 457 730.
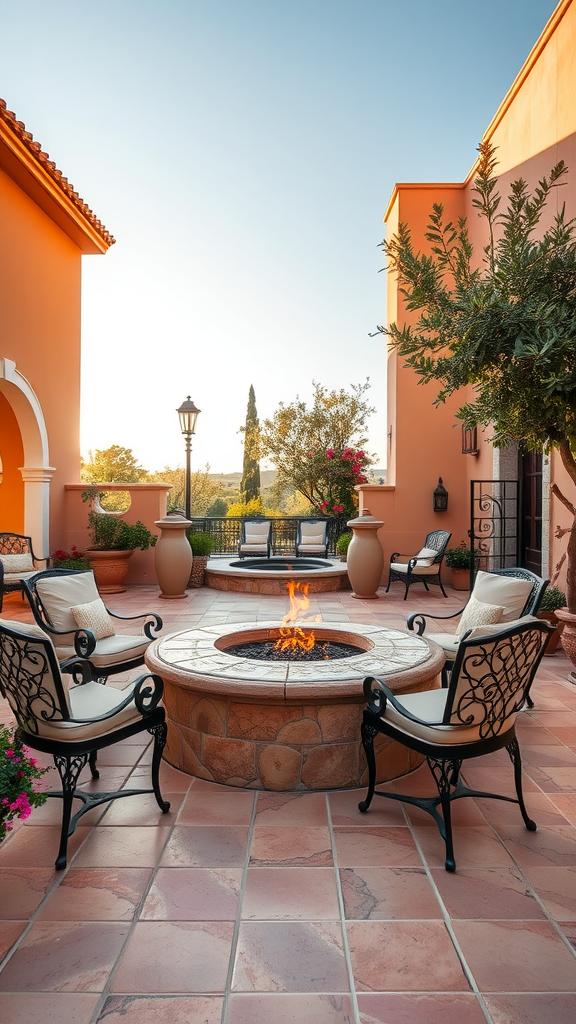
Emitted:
pixel 202 545
pixel 459 560
pixel 113 541
pixel 553 599
pixel 343 543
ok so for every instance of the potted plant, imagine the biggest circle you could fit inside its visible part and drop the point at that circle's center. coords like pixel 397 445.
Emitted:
pixel 18 775
pixel 553 599
pixel 202 545
pixel 459 560
pixel 343 543
pixel 72 559
pixel 113 541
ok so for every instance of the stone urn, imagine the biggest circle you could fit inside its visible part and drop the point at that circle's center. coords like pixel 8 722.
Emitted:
pixel 568 637
pixel 173 557
pixel 365 559
pixel 110 569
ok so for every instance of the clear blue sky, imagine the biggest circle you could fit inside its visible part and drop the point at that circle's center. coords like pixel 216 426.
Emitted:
pixel 243 152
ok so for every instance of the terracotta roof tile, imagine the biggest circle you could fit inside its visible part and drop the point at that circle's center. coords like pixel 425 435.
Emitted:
pixel 19 129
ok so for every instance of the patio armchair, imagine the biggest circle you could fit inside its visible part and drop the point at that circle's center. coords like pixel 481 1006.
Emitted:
pixel 421 568
pixel 66 605
pixel 499 596
pixel 73 724
pixel 312 538
pixel 476 715
pixel 255 538
pixel 17 562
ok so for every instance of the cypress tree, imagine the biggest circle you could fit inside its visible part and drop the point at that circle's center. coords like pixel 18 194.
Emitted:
pixel 250 486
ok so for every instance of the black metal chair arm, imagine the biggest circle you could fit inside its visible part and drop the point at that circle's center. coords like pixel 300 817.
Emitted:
pixel 146 699
pixel 84 642
pixel 378 697
pixel 152 625
pixel 79 669
pixel 418 620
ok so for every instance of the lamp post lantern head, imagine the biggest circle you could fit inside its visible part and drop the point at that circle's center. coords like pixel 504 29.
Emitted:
pixel 188 414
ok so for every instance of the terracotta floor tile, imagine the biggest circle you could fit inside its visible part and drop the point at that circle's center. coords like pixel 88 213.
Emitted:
pixel 210 807
pixel 143 810
pixel 558 779
pixel 295 956
pixel 379 893
pixel 206 846
pixel 550 846
pixel 122 847
pixel 516 956
pixel 193 894
pixel 465 814
pixel 393 847
pixel 289 1008
pixel 565 803
pixel 291 809
pixel 400 956
pixel 162 1010
pixel 417 1008
pixel 498 780
pixel 473 847
pixel 532 1009
pixel 47 1007
pixel 309 847
pixel 171 780
pixel 556 887
pixel 175 956
pixel 22 890
pixel 97 894
pixel 541 808
pixel 487 893
pixel 10 932
pixel 383 813
pixel 37 846
pixel 548 755
pixel 64 957
pixel 296 894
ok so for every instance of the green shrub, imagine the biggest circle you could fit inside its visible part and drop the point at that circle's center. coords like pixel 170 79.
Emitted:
pixel 460 558
pixel 343 542
pixel 553 598
pixel 201 543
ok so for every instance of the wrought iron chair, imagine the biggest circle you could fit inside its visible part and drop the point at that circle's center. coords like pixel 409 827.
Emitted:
pixel 255 538
pixel 66 605
pixel 421 568
pixel 74 724
pixel 312 537
pixel 17 562
pixel 475 715
pixel 503 595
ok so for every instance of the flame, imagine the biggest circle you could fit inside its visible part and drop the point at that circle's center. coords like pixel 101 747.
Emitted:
pixel 294 637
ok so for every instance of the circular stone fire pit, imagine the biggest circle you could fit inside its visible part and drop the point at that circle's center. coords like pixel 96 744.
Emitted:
pixel 283 725
pixel 268 575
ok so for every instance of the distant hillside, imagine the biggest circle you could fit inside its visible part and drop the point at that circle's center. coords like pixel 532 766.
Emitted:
pixel 267 477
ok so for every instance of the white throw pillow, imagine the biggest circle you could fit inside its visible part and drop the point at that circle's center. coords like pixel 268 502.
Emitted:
pixel 61 593
pixel 509 591
pixel 477 613
pixel 426 556
pixel 18 563
pixel 95 617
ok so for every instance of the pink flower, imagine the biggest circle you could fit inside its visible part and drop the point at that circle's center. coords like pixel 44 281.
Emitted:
pixel 359 455
pixel 5 802
pixel 329 453
pixel 33 761
pixel 338 508
pixel 9 752
pixel 323 504
pixel 355 467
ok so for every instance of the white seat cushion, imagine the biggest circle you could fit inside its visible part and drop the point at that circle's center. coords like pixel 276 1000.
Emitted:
pixel 89 701
pixel 256 533
pixel 17 577
pixel 113 650
pixel 508 591
pixel 254 547
pixel 429 705
pixel 418 570
pixel 17 564
pixel 447 641
pixel 59 594
pixel 312 549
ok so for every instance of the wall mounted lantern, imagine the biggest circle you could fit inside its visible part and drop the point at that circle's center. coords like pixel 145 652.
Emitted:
pixel 188 414
pixel 440 497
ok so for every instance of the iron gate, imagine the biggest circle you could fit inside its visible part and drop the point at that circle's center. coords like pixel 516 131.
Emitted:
pixel 494 524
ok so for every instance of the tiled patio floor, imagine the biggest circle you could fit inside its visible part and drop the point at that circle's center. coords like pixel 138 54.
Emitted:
pixel 271 908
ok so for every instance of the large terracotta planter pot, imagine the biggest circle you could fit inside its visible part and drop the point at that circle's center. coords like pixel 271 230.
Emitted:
pixel 110 569
pixel 173 557
pixel 568 636
pixel 460 579
pixel 365 558
pixel 554 640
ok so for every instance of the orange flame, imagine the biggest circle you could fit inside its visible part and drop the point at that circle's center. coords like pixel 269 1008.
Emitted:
pixel 293 637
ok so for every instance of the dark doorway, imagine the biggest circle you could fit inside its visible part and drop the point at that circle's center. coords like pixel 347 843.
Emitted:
pixel 530 470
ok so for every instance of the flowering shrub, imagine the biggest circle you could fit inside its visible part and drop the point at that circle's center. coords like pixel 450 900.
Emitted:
pixel 18 773
pixel 73 559
pixel 337 474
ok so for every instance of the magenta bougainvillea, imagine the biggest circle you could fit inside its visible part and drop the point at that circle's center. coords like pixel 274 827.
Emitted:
pixel 18 775
pixel 338 473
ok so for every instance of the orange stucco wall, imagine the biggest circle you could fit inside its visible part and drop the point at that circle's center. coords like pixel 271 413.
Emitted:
pixel 12 457
pixel 534 127
pixel 40 331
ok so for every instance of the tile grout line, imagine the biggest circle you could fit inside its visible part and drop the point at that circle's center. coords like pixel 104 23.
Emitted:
pixel 340 897
pixel 238 920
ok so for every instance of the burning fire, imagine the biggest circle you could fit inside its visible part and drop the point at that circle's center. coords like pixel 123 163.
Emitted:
pixel 294 637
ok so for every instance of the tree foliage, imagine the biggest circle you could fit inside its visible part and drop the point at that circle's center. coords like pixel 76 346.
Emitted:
pixel 112 465
pixel 504 324
pixel 203 490
pixel 297 440
pixel 250 485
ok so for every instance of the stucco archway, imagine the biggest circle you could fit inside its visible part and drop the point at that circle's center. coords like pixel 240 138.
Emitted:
pixel 36 471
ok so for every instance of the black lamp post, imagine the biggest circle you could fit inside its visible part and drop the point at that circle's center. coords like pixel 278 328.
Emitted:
pixel 188 414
